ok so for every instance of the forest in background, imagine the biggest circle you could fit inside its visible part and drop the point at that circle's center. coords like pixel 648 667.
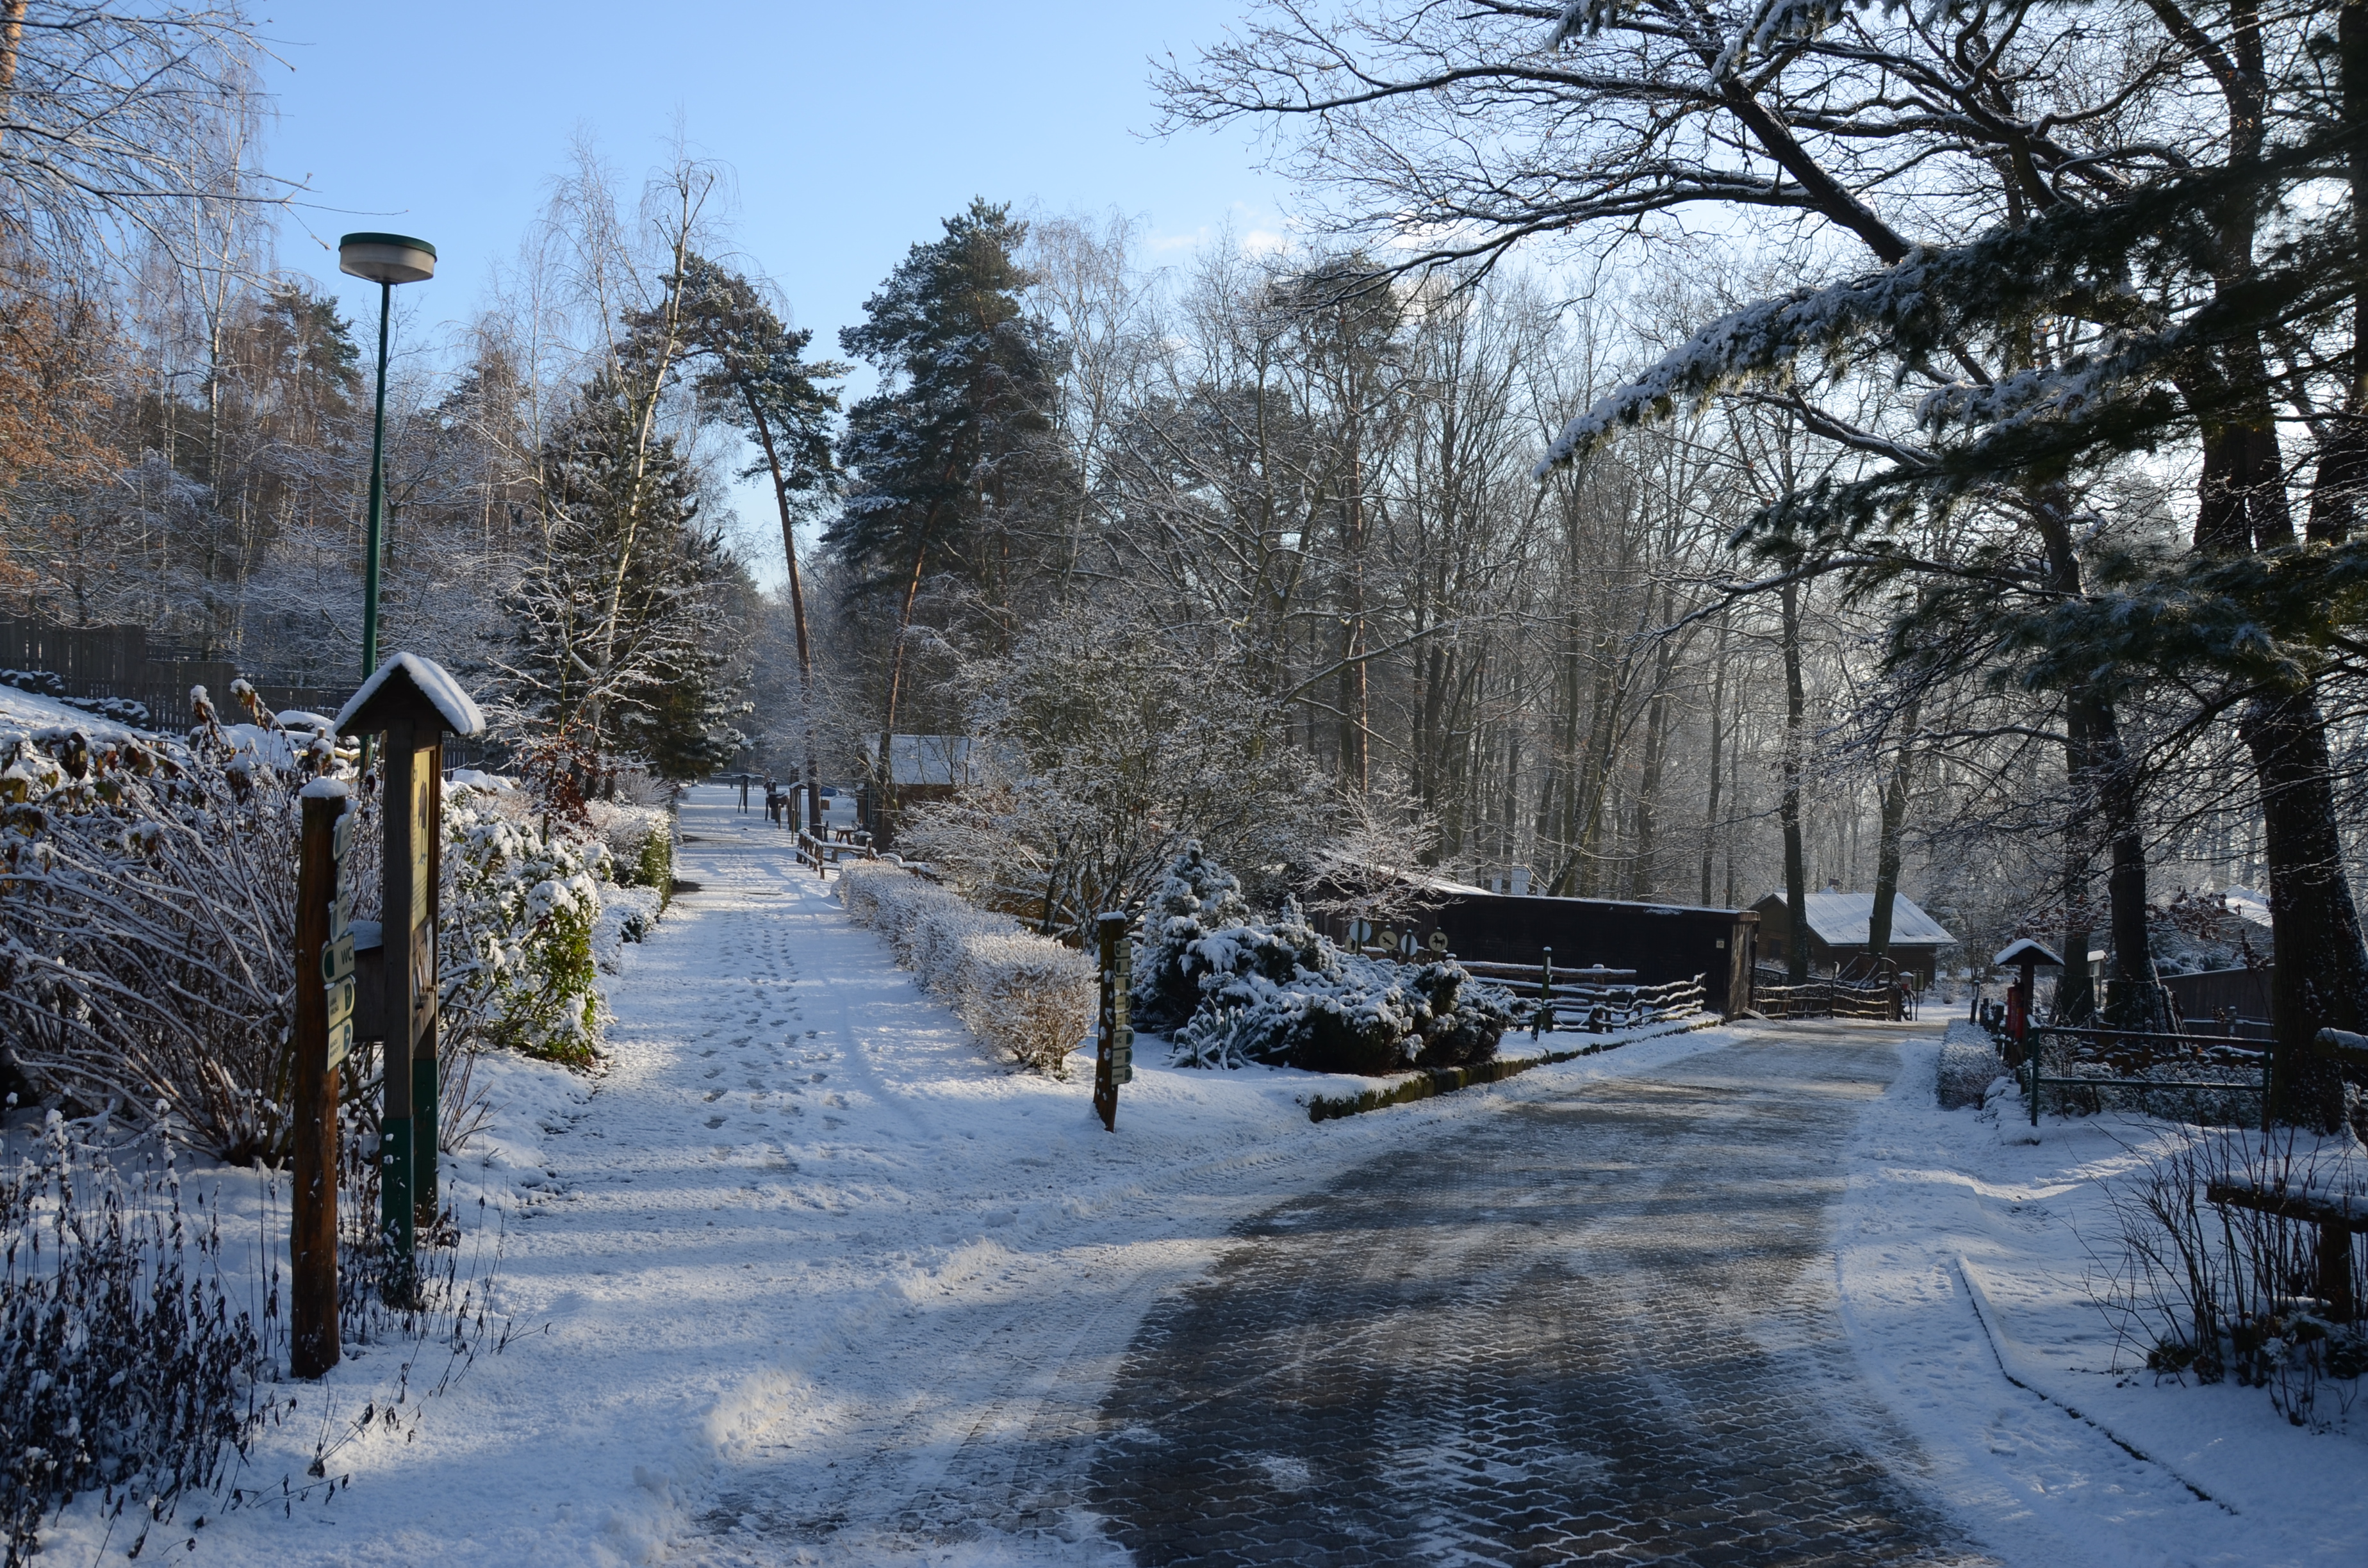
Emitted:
pixel 1835 581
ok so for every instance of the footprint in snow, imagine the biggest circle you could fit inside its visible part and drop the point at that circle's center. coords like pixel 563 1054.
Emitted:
pixel 714 1122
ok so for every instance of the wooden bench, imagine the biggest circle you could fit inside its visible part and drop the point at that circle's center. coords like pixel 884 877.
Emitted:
pixel 2337 1216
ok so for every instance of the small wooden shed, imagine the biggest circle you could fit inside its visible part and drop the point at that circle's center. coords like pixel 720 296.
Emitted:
pixel 1839 927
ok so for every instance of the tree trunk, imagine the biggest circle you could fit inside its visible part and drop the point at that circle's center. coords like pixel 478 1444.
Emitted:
pixel 12 38
pixel 2342 472
pixel 1644 878
pixel 2320 980
pixel 1894 821
pixel 1717 739
pixel 1788 809
pixel 1590 782
pixel 2137 1000
pixel 883 828
pixel 2076 992
pixel 797 602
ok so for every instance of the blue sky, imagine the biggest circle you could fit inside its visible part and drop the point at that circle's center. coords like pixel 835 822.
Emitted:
pixel 852 128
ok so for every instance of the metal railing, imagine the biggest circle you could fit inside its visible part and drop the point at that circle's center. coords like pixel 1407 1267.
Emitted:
pixel 2036 1077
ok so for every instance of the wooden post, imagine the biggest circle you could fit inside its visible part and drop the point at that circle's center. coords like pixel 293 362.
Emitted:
pixel 426 1080
pixel 396 1207
pixel 322 1008
pixel 1113 1040
pixel 414 703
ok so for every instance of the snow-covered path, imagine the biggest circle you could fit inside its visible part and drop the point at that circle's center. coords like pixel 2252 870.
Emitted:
pixel 805 1275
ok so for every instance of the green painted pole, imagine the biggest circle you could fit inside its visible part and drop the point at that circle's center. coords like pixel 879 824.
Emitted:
pixel 377 495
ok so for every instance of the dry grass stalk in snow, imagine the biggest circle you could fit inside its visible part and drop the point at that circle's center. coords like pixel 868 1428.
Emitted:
pixel 2216 1291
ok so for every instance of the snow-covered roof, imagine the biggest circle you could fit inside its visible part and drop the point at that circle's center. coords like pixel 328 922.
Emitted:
pixel 2023 947
pixel 458 711
pixel 1847 919
pixel 2247 904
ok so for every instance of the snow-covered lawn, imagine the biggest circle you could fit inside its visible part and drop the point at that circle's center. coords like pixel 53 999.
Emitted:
pixel 1970 1251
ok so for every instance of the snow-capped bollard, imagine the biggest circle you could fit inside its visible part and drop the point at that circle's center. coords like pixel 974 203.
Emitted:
pixel 415 703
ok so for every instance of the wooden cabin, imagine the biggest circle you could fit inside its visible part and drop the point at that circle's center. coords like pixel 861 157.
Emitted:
pixel 1838 929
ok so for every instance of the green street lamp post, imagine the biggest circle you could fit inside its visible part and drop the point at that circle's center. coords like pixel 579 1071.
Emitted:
pixel 386 260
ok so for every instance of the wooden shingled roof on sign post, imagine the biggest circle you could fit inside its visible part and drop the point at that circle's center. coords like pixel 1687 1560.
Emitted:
pixel 408 689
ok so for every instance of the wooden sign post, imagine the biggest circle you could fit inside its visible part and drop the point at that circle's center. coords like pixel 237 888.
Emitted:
pixel 1113 1040
pixel 414 703
pixel 324 1032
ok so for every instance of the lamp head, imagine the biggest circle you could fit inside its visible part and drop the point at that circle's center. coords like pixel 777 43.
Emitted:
pixel 386 258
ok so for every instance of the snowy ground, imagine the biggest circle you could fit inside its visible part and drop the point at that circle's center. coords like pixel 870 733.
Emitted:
pixel 803 1240
pixel 800 1220
pixel 1970 1250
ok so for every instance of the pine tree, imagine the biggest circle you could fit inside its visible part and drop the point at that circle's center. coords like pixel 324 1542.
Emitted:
pixel 753 375
pixel 620 648
pixel 951 445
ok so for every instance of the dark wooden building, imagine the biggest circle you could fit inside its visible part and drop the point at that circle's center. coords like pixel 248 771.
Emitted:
pixel 1840 925
pixel 2203 996
pixel 1661 942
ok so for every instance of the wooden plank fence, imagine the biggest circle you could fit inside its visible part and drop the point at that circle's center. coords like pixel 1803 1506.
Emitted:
pixel 121 662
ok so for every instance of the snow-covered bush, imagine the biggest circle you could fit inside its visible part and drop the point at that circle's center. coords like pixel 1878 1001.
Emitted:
pixel 627 914
pixel 1232 989
pixel 147 918
pixel 1019 992
pixel 1344 1013
pixel 1102 748
pixel 125 1369
pixel 514 946
pixel 1023 994
pixel 640 841
pixel 1196 897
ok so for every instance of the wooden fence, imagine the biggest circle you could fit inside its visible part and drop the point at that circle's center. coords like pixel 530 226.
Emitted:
pixel 121 663
pixel 1596 1000
pixel 1772 998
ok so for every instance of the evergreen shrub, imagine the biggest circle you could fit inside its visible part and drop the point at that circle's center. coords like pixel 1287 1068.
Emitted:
pixel 515 949
pixel 1232 990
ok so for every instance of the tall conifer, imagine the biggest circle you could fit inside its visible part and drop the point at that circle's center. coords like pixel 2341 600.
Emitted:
pixel 945 454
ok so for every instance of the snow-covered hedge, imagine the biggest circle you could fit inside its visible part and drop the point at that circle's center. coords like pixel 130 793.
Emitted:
pixel 1231 990
pixel 147 924
pixel 1968 1064
pixel 147 920
pixel 640 840
pixel 515 949
pixel 1018 992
